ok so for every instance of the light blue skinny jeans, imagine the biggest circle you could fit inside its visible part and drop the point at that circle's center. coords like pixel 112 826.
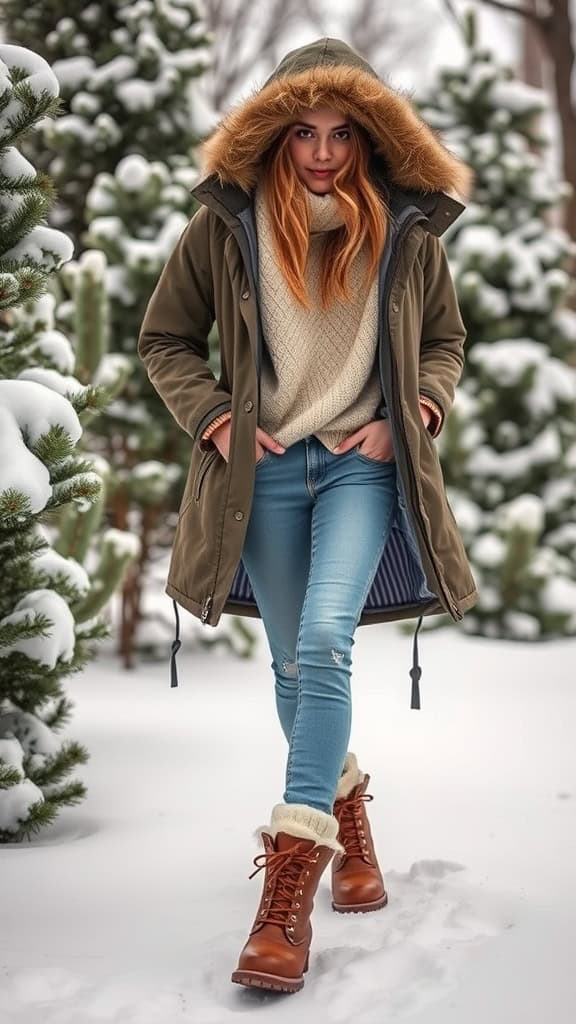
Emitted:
pixel 317 529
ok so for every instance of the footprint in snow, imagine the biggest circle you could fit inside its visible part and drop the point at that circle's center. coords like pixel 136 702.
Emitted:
pixel 393 962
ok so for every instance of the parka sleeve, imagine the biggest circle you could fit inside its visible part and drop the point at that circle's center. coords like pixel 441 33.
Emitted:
pixel 173 338
pixel 443 330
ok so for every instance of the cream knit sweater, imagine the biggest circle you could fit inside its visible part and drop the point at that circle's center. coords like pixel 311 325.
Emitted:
pixel 319 371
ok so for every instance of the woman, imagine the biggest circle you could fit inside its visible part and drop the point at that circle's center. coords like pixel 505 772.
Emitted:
pixel 315 498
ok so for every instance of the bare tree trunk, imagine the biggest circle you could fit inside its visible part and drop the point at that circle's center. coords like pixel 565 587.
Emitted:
pixel 128 617
pixel 561 49
pixel 533 51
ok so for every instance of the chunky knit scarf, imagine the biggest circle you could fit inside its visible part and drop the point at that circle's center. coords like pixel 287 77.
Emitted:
pixel 319 372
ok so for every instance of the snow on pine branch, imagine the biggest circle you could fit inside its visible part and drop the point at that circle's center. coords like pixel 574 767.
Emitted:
pixel 39 76
pixel 28 410
pixel 29 90
pixel 59 643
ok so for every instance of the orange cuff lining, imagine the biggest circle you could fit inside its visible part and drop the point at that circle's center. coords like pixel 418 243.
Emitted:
pixel 223 418
pixel 437 417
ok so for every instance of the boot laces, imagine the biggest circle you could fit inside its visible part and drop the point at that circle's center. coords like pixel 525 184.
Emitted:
pixel 283 872
pixel 352 835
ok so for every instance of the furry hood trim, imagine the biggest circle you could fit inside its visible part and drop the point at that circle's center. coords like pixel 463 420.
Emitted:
pixel 328 72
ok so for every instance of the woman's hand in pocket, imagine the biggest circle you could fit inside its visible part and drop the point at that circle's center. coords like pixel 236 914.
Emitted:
pixel 376 437
pixel 221 438
pixel 263 442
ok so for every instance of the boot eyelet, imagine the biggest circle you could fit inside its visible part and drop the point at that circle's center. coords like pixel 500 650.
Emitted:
pixel 290 928
pixel 297 906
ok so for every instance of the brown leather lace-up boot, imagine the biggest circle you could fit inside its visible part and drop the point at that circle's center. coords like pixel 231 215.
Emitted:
pixel 276 953
pixel 357 883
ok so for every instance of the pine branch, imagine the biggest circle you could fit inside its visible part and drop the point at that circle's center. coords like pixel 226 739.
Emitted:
pixel 59 582
pixel 93 399
pixel 15 511
pixel 40 814
pixel 86 486
pixel 57 766
pixel 68 468
pixel 69 794
pixel 10 775
pixel 54 446
pixel 60 714
pixel 26 629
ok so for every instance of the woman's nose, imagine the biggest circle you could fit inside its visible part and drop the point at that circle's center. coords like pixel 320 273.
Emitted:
pixel 323 151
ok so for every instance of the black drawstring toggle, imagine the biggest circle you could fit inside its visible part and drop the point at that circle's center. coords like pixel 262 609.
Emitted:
pixel 415 671
pixel 176 645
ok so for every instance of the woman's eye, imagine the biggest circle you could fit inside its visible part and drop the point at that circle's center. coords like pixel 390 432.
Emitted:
pixel 343 132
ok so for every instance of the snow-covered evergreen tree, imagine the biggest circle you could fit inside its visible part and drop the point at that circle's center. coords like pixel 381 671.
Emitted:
pixel 135 216
pixel 49 601
pixel 124 69
pixel 122 158
pixel 508 448
pixel 47 357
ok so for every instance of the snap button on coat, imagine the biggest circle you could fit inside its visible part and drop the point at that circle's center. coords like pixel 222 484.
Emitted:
pixel 238 515
pixel 246 294
pixel 248 406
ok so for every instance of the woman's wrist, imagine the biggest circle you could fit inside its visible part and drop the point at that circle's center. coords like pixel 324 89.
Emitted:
pixel 215 425
pixel 431 415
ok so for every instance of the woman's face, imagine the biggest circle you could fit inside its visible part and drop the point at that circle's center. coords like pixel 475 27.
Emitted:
pixel 321 140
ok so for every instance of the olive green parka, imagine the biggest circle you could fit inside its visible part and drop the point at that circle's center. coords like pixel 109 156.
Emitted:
pixel 212 275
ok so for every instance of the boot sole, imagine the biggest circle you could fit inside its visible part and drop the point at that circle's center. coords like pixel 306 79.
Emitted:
pixel 272 982
pixel 360 908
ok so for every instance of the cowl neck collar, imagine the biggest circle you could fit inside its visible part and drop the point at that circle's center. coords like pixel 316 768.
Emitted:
pixel 325 214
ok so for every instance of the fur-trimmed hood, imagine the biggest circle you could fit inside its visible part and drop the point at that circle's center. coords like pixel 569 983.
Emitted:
pixel 328 72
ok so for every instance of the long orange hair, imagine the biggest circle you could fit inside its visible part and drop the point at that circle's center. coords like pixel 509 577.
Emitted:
pixel 362 207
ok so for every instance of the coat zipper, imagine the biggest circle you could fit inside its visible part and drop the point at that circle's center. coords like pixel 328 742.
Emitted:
pixel 206 608
pixel 415 503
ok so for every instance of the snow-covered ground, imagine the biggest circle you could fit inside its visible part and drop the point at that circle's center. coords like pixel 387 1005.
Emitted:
pixel 132 908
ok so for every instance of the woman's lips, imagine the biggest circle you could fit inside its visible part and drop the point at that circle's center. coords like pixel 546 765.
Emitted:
pixel 321 174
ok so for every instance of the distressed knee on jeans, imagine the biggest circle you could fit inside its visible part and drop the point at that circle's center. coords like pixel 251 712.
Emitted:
pixel 289 668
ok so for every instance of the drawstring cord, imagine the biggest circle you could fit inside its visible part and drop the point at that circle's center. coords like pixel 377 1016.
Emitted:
pixel 176 645
pixel 415 671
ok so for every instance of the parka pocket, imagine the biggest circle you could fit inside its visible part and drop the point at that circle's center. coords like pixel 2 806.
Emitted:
pixel 205 462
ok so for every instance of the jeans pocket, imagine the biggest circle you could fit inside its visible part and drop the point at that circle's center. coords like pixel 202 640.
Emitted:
pixel 373 462
pixel 263 458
